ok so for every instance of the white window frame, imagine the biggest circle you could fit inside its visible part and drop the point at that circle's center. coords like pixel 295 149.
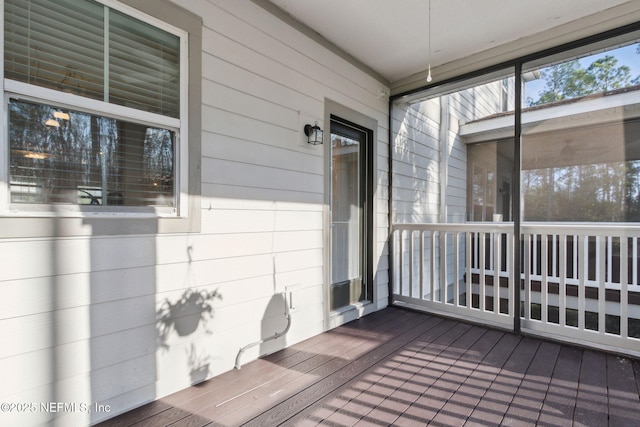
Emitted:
pixel 34 93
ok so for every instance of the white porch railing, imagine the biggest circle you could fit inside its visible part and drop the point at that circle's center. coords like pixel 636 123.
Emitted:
pixel 586 291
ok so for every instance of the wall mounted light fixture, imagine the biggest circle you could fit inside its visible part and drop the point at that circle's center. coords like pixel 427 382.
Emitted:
pixel 314 134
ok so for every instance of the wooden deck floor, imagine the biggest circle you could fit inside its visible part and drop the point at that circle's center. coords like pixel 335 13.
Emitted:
pixel 402 368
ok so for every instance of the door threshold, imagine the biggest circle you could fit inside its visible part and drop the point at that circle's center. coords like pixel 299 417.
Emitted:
pixel 349 313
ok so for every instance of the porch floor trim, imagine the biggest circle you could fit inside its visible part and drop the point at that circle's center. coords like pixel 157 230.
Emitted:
pixel 404 368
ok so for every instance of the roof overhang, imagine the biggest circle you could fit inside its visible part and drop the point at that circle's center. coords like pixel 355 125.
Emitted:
pixel 599 129
pixel 583 112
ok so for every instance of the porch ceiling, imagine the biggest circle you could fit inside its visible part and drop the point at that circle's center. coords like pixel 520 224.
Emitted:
pixel 392 37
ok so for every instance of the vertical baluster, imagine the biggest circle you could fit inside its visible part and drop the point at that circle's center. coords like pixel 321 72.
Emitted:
pixel 534 260
pixel 602 244
pixel 575 260
pixel 483 266
pixel 491 266
pixel 468 262
pixel 544 272
pixel 433 266
pixel 444 273
pixel 476 254
pixel 609 252
pixel 456 271
pixel 554 255
pixel 582 273
pixel 624 287
pixel 400 270
pixel 634 261
pixel 527 240
pixel 511 274
pixel 562 285
pixel 411 264
pixel 421 283
pixel 497 250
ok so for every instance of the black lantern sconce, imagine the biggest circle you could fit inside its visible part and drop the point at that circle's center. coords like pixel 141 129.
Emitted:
pixel 314 134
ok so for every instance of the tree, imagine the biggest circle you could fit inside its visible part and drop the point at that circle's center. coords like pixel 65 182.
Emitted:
pixel 556 81
pixel 604 75
pixel 570 80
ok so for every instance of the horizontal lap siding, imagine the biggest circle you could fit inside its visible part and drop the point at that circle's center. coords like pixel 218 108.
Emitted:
pixel 416 164
pixel 82 314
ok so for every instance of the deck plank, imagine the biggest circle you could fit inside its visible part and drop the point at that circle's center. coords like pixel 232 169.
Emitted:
pixel 497 400
pixel 298 386
pixel 342 374
pixel 145 412
pixel 623 390
pixel 591 406
pixel 271 379
pixel 164 418
pixel 488 377
pixel 527 401
pixel 460 405
pixel 296 357
pixel 560 401
pixel 437 354
pixel 403 368
pixel 352 401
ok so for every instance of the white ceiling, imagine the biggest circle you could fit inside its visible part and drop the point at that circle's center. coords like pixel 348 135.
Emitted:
pixel 392 36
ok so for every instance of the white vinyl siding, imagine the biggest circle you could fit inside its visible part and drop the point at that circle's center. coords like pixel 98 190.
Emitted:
pixel 91 304
pixel 416 189
pixel 417 164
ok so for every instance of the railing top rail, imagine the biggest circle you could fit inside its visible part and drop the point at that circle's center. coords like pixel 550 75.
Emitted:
pixel 591 229
pixel 559 228
pixel 497 227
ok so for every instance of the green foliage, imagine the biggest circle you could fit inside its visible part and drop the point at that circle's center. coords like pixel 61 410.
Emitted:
pixel 605 192
pixel 570 80
pixel 559 80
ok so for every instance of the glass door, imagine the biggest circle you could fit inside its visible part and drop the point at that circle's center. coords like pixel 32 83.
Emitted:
pixel 349 170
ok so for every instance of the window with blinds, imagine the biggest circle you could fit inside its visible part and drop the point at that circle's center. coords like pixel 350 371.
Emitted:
pixel 62 148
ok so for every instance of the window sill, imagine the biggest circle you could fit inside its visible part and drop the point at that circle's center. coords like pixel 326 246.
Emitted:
pixel 71 211
pixel 44 224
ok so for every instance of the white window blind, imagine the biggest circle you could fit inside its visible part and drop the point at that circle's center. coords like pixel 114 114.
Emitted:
pixel 58 45
pixel 61 45
pixel 144 70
